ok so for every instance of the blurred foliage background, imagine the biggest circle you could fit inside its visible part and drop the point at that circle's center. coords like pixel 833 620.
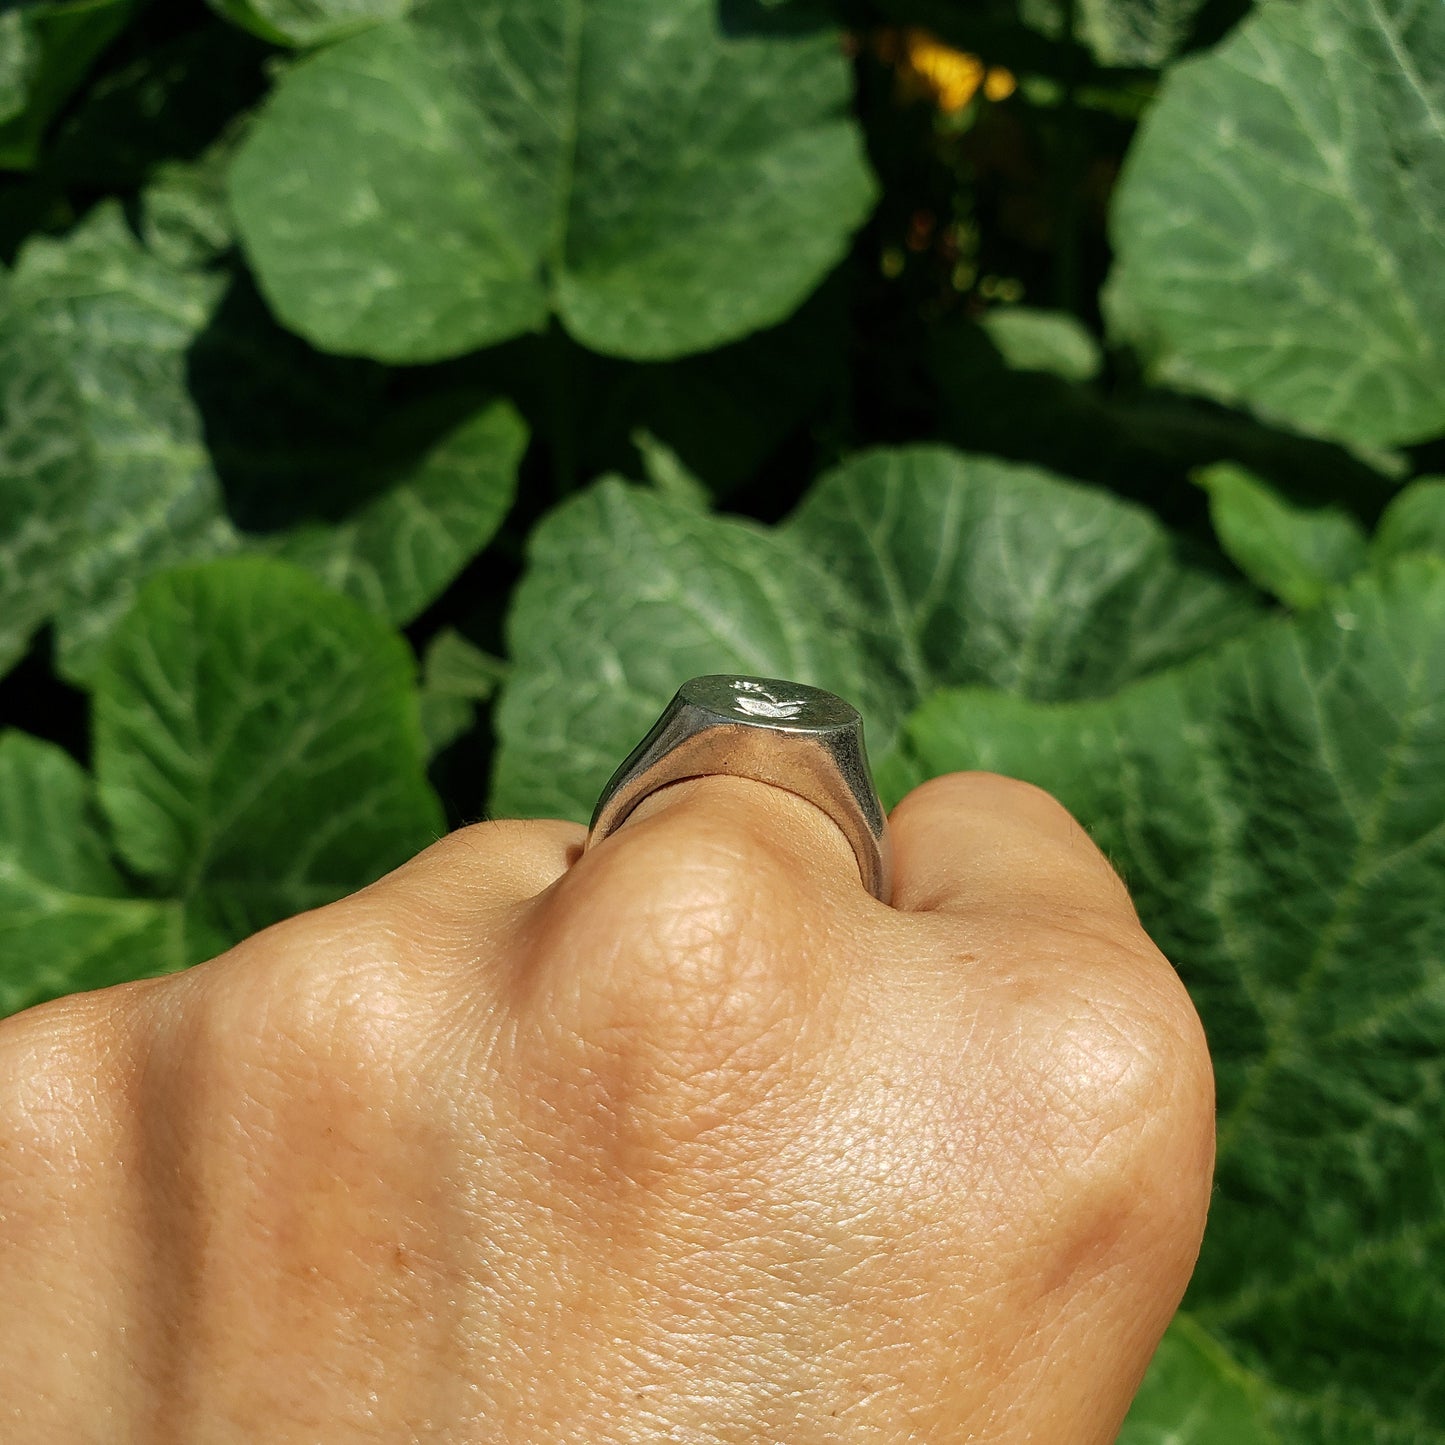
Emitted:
pixel 399 400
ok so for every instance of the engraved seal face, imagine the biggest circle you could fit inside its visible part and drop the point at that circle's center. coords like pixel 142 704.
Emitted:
pixel 770 702
pixel 758 700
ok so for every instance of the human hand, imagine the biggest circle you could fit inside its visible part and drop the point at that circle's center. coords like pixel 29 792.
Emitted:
pixel 687 1138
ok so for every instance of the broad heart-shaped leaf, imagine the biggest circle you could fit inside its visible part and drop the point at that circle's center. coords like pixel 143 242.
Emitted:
pixel 308 22
pixel 46 47
pixel 1297 553
pixel 1414 521
pixel 258 746
pixel 664 175
pixel 1280 225
pixel 65 921
pixel 963 569
pixel 901 571
pixel 127 382
pixel 1278 809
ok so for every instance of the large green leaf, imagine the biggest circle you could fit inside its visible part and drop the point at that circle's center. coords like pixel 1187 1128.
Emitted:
pixel 65 922
pixel 127 382
pixel 308 22
pixel 1280 226
pixel 119 323
pixel 964 569
pixel 258 746
pixel 46 47
pixel 1277 810
pixel 45 470
pixel 901 571
pixel 664 175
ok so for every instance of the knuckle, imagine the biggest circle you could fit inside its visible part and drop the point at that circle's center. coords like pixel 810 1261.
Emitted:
pixel 667 990
pixel 61 1064
pixel 973 789
pixel 1128 1088
pixel 321 997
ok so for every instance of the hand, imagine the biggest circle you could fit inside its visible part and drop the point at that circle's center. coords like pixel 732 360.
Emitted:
pixel 686 1138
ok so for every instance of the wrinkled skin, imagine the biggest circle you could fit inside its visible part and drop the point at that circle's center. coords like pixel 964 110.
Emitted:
pixel 685 1138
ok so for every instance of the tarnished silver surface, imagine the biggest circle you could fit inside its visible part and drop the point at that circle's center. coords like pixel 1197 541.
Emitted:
pixel 784 733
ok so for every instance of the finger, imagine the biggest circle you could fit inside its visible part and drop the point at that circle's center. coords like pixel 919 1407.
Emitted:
pixel 484 868
pixel 982 843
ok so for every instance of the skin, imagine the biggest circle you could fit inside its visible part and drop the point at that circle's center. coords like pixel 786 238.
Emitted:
pixel 685 1138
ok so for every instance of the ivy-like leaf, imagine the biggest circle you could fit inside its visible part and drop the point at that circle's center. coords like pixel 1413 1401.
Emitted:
pixel 1297 553
pixel 664 175
pixel 901 572
pixel 258 746
pixel 1280 226
pixel 308 22
pixel 1276 808
pixel 46 48
pixel 65 921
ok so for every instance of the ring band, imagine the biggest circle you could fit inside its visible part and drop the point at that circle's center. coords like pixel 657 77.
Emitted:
pixel 802 739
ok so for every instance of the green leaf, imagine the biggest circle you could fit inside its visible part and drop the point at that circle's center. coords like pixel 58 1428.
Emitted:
pixel 456 676
pixel 667 471
pixel 1414 521
pixel 900 572
pixel 963 569
pixel 1280 225
pixel 49 825
pixel 1135 32
pixel 46 48
pixel 65 923
pixel 398 549
pixel 1297 553
pixel 45 469
pixel 119 323
pixel 185 213
pixel 1194 1394
pixel 1048 341
pixel 258 746
pixel 308 22
pixel 662 177
pixel 127 382
pixel 1276 810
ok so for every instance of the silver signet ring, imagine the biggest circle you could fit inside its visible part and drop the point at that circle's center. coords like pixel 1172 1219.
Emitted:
pixel 800 738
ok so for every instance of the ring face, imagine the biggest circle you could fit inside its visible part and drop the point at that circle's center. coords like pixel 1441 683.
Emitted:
pixel 769 701
pixel 793 736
